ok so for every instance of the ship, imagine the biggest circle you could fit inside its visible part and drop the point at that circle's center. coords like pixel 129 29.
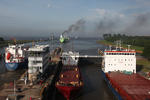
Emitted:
pixel 70 80
pixel 15 57
pixel 119 72
pixel 38 60
pixel 63 38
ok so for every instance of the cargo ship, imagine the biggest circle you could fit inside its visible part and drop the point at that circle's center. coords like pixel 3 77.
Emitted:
pixel 119 72
pixel 15 57
pixel 63 38
pixel 70 80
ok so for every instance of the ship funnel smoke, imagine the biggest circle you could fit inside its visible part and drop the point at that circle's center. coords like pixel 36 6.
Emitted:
pixel 76 27
pixel 129 24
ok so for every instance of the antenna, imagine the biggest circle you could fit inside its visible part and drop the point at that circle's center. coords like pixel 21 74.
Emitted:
pixel 33 43
pixel 116 45
pixel 110 47
pixel 129 47
pixel 120 44
pixel 72 45
pixel 52 40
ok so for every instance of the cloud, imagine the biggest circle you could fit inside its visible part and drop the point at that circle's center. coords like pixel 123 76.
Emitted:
pixel 49 6
pixel 137 6
pixel 143 2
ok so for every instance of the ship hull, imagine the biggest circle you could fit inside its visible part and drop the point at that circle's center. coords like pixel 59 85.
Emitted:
pixel 127 87
pixel 63 40
pixel 115 93
pixel 15 66
pixel 68 91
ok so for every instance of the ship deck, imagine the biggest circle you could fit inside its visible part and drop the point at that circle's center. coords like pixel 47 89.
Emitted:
pixel 130 87
pixel 70 75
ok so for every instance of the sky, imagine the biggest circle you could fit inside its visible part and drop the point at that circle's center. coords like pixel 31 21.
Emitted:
pixel 88 17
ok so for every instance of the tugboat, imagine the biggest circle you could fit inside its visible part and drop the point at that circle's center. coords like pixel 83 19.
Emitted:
pixel 119 71
pixel 15 56
pixel 70 80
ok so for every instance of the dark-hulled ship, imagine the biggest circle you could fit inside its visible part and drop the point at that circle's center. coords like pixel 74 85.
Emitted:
pixel 70 80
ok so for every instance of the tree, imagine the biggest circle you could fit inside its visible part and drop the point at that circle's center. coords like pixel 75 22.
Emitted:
pixel 146 52
pixel 1 39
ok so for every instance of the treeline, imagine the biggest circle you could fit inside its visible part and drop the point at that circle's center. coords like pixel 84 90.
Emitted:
pixel 1 39
pixel 142 41
pixel 131 40
pixel 13 41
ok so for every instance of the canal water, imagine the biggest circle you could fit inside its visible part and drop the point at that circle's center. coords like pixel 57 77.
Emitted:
pixel 94 86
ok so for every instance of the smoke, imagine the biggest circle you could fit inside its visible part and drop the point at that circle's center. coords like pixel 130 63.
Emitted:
pixel 78 26
pixel 140 25
pixel 130 24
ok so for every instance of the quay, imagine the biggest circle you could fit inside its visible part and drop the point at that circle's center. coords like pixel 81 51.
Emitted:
pixel 24 89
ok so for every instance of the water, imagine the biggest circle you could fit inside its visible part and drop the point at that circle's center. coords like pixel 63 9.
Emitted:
pixel 94 85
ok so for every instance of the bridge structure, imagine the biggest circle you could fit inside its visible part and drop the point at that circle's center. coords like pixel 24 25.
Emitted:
pixel 86 56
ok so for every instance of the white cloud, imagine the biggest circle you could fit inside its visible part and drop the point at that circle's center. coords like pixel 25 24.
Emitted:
pixel 49 6
pixel 101 11
pixel 98 13
pixel 143 2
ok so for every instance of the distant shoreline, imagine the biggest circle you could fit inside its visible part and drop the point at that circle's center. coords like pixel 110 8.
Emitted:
pixel 6 42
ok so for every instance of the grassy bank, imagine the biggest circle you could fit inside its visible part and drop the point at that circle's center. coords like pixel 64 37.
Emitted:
pixel 107 43
pixel 143 64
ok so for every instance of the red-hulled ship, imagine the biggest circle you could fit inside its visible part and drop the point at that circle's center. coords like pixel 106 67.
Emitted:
pixel 119 71
pixel 70 81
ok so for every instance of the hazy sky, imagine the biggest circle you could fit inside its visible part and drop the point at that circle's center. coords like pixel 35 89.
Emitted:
pixel 41 17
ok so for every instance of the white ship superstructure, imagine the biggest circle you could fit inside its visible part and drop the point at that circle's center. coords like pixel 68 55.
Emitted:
pixel 38 60
pixel 70 58
pixel 119 60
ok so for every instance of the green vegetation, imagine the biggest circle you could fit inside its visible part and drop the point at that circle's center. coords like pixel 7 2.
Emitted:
pixel 139 43
pixel 146 52
pixel 144 63
pixel 137 48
